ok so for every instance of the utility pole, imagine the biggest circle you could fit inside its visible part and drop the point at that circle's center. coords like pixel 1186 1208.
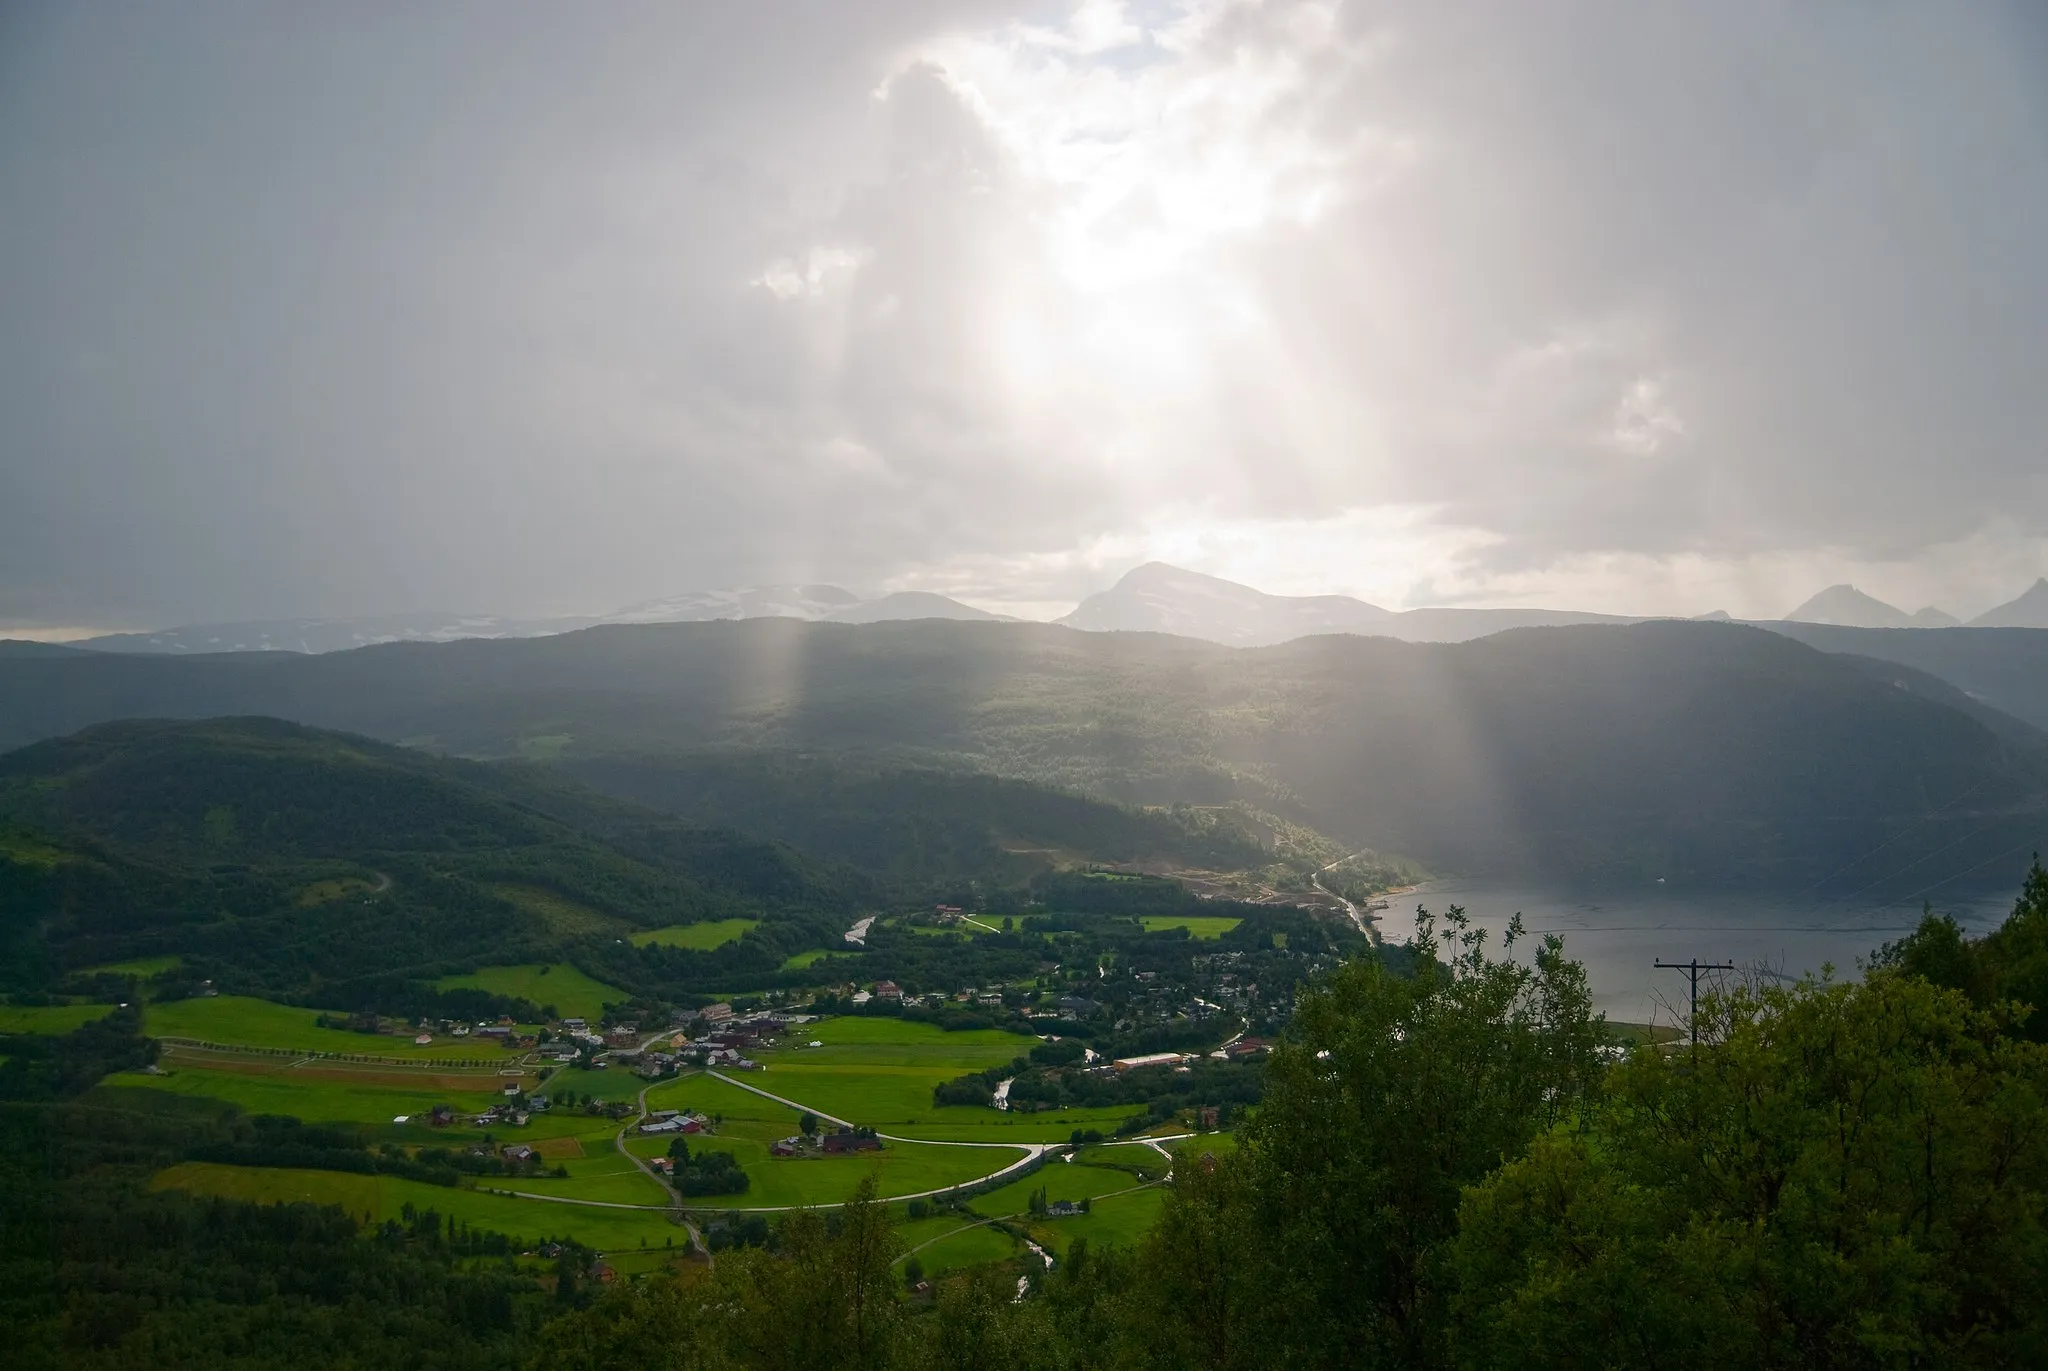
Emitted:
pixel 1693 969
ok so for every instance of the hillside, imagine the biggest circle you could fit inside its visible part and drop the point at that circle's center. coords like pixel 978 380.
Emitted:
pixel 2027 610
pixel 922 824
pixel 2003 668
pixel 285 861
pixel 1692 753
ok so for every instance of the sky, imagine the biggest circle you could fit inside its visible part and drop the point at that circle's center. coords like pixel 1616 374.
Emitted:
pixel 529 308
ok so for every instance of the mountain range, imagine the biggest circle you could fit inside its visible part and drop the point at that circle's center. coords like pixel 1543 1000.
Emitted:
pixel 1153 598
pixel 1696 753
pixel 820 603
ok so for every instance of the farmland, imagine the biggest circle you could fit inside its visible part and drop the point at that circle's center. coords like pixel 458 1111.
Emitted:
pixel 700 937
pixel 1120 1219
pixel 1206 926
pixel 55 1018
pixel 240 1021
pixel 876 1071
pixel 383 1197
pixel 1060 1181
pixel 559 984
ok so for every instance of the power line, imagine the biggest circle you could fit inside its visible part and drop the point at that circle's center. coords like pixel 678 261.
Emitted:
pixel 1693 969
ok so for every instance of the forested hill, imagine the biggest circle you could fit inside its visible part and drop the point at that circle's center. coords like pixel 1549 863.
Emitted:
pixel 291 862
pixel 1691 753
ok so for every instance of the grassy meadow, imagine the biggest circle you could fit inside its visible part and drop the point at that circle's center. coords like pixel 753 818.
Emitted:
pixel 241 1021
pixel 701 937
pixel 1197 925
pixel 1122 1220
pixel 560 984
pixel 50 1018
pixel 382 1197
pixel 956 1245
pixel 1060 1181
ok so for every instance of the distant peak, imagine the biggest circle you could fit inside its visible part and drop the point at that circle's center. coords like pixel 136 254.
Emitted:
pixel 1849 607
pixel 2028 610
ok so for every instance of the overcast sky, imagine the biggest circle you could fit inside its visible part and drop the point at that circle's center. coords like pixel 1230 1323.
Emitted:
pixel 320 309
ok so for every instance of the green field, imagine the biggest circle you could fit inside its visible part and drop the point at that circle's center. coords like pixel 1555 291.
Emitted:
pixel 1135 1156
pixel 750 1123
pixel 804 959
pixel 52 1018
pixel 972 1123
pixel 240 1021
pixel 572 993
pixel 699 937
pixel 880 1071
pixel 604 1174
pixel 382 1197
pixel 1197 925
pixel 1059 1180
pixel 276 1086
pixel 957 1246
pixel 1122 1220
pixel 609 1084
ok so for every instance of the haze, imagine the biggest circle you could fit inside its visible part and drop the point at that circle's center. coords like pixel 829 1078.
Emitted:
pixel 538 309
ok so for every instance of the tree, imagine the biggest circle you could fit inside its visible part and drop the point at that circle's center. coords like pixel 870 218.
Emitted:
pixel 1322 1238
pixel 808 1124
pixel 1845 1176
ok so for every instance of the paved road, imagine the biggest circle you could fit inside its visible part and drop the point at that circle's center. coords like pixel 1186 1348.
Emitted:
pixel 619 1141
pixel 1368 927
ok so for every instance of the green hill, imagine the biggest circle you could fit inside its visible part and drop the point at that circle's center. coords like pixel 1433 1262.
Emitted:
pixel 1689 752
pixel 922 823
pixel 289 862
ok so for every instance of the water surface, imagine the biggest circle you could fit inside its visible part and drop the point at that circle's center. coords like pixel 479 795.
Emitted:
pixel 1619 936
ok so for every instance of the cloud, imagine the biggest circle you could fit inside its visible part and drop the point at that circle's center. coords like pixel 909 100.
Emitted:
pixel 494 307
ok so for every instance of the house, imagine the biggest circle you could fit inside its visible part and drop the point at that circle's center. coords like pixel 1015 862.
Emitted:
pixel 621 1037
pixel 1062 1209
pixel 1149 1059
pixel 660 1114
pixel 991 1000
pixel 422 1040
pixel 574 1025
pixel 663 1165
pixel 511 1088
pixel 947 911
pixel 786 1147
pixel 888 990
pixel 495 1031
pixel 442 1116
pixel 460 1030
pixel 694 1124
pixel 852 1140
pixel 519 1152
pixel 717 1013
pixel 1248 1047
pixel 1077 1006
pixel 662 1126
pixel 538 1104
pixel 861 997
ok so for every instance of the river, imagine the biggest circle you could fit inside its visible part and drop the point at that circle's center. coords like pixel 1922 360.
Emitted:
pixel 1618 936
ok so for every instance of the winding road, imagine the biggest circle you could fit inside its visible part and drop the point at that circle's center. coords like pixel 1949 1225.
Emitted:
pixel 1369 927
